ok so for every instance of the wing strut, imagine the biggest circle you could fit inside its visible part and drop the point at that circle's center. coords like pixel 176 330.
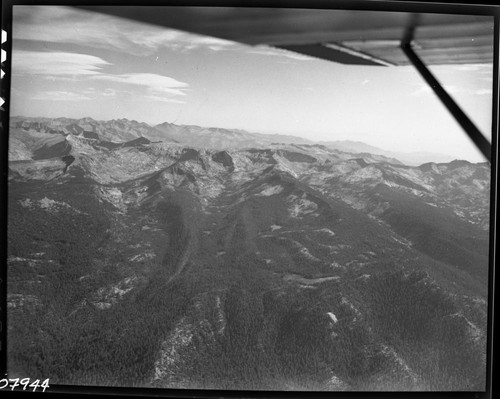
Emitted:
pixel 472 131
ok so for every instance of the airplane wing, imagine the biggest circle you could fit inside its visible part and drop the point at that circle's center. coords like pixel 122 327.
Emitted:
pixel 356 37
pixel 345 36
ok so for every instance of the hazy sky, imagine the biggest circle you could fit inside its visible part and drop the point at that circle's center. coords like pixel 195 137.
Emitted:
pixel 73 63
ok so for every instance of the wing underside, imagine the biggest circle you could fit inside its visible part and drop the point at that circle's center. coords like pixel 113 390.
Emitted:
pixel 344 36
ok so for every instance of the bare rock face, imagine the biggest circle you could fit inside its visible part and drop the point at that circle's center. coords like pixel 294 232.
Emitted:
pixel 224 159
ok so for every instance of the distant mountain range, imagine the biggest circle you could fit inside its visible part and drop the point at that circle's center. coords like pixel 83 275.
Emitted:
pixel 200 137
pixel 408 158
pixel 254 265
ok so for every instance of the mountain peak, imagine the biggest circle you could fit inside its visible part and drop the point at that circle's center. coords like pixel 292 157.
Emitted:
pixel 429 166
pixel 458 163
pixel 360 161
pixel 123 130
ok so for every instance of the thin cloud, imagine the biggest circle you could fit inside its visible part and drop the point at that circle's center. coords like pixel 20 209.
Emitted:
pixel 276 52
pixel 89 90
pixel 66 25
pixel 59 96
pixel 451 89
pixel 108 92
pixel 150 40
pixel 55 63
pixel 483 92
pixel 426 89
pixel 153 97
pixel 153 82
pixel 57 24
pixel 421 90
pixel 474 67
pixel 82 67
pixel 53 78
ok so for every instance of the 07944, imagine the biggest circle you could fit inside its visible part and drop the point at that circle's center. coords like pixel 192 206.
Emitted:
pixel 14 383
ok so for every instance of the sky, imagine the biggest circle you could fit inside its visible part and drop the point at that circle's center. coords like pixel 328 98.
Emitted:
pixel 74 63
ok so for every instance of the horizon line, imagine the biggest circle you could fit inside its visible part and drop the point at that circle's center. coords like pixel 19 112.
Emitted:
pixel 322 142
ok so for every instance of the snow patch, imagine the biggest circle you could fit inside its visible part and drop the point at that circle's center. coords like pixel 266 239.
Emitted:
pixel 31 262
pixel 405 242
pixel 390 184
pixel 286 169
pixel 474 331
pixel 18 259
pixel 308 281
pixel 326 231
pixel 390 352
pixel 114 196
pixel 300 206
pixel 27 203
pixel 334 383
pixel 332 317
pixel 102 305
pixel 459 213
pixel 368 173
pixel 206 320
pixel 355 310
pixel 105 297
pixel 144 256
pixel 335 265
pixel 270 190
pixel 220 319
pixel 304 251
pixel 48 204
pixel 169 353
pixel 18 300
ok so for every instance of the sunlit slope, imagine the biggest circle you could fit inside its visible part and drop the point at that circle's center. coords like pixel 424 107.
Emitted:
pixel 288 267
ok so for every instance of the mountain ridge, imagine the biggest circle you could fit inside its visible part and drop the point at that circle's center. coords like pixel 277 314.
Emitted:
pixel 209 137
pixel 291 267
pixel 409 158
